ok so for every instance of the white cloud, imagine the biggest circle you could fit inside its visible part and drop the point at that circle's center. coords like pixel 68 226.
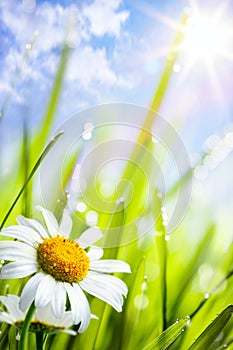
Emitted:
pixel 89 66
pixel 104 18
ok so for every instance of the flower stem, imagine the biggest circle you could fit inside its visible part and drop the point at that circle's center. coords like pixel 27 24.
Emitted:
pixel 39 341
pixel 25 328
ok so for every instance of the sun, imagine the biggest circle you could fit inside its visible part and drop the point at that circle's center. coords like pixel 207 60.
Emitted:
pixel 206 37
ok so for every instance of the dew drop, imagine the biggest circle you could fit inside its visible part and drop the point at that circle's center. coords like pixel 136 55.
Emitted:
pixel 206 296
pixel 86 135
pixel 167 237
pixel 144 286
pixel 225 346
pixel 88 126
pixel 17 336
pixel 120 200
pixel 28 46
pixel 188 320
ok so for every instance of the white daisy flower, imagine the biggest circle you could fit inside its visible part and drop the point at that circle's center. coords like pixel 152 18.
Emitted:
pixel 43 319
pixel 60 267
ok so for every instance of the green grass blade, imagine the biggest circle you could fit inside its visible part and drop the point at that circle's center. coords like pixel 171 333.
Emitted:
pixel 34 169
pixel 131 314
pixel 228 275
pixel 168 70
pixel 161 254
pixel 25 166
pixel 191 269
pixel 61 204
pixel 209 335
pixel 115 226
pixel 144 137
pixel 165 339
pixel 225 345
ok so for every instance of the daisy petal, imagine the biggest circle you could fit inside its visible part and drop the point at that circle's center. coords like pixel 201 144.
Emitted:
pixel 23 233
pixel 106 288
pixel 79 305
pixel 58 301
pixel 50 220
pixel 18 269
pixel 66 224
pixel 5 317
pixel 109 266
pixel 95 253
pixel 45 291
pixel 85 313
pixel 12 250
pixel 34 224
pixel 90 236
pixel 29 291
pixel 11 302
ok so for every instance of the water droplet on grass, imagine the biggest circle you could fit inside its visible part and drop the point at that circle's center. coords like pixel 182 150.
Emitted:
pixel 86 135
pixel 17 336
pixel 28 46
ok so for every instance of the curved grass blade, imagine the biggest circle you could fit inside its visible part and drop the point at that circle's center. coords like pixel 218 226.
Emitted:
pixel 165 339
pixel 37 164
pixel 25 165
pixel 131 322
pixel 229 274
pixel 61 204
pixel 191 269
pixel 226 344
pixel 209 335
pixel 144 137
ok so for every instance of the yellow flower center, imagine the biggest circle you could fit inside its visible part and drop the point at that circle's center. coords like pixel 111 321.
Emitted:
pixel 63 259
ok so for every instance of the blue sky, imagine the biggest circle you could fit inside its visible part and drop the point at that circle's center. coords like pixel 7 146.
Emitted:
pixel 118 50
